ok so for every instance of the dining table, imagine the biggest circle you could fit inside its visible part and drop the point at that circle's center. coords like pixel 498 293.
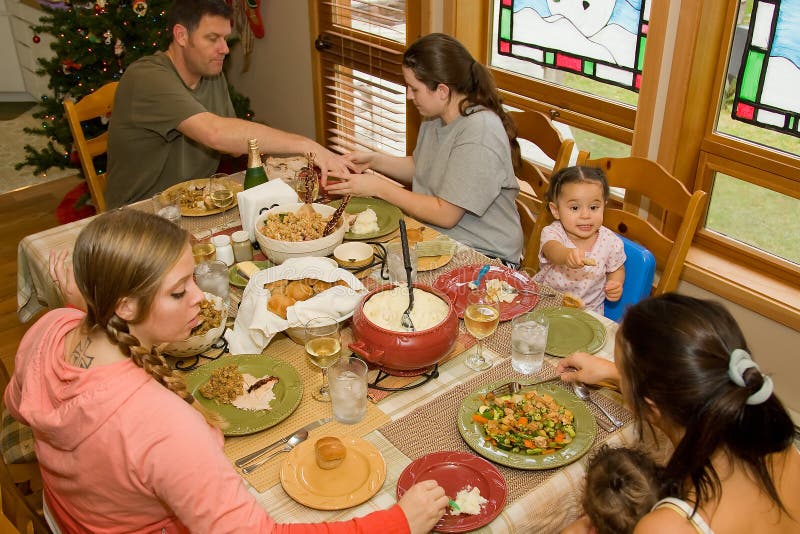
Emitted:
pixel 408 417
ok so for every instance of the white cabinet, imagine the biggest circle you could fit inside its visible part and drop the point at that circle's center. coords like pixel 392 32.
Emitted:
pixel 24 14
pixel 12 84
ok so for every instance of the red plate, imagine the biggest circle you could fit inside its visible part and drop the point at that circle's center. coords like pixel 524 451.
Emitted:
pixel 455 471
pixel 456 284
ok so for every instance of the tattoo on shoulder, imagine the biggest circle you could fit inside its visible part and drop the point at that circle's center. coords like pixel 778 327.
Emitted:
pixel 80 355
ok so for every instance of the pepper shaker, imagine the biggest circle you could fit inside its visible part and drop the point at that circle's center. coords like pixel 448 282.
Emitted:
pixel 242 250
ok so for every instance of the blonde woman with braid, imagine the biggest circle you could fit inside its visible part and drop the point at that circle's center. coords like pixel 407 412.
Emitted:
pixel 122 445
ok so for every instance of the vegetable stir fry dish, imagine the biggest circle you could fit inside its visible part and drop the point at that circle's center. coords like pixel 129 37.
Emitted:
pixel 527 423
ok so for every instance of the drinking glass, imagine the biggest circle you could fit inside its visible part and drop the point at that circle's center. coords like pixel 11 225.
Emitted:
pixel 348 389
pixel 480 317
pixel 202 247
pixel 167 205
pixel 395 266
pixel 323 346
pixel 528 342
pixel 221 195
pixel 212 277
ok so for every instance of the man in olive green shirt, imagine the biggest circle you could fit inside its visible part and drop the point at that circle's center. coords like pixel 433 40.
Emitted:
pixel 173 115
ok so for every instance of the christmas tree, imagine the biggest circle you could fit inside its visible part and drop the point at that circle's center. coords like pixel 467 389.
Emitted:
pixel 95 41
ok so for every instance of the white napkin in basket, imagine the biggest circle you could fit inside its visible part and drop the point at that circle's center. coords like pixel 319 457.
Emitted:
pixel 255 326
pixel 269 194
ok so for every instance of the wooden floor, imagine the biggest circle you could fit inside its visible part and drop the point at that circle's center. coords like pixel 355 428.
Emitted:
pixel 25 211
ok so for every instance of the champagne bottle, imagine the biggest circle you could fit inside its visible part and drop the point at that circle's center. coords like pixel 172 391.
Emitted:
pixel 255 174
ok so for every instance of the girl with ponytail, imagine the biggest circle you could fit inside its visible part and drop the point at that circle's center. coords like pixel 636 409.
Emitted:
pixel 462 170
pixel 122 445
pixel 684 366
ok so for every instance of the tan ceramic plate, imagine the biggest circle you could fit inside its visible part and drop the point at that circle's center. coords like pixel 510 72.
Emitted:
pixel 358 478
pixel 429 263
pixel 203 182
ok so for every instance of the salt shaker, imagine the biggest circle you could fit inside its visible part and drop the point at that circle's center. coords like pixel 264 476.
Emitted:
pixel 242 250
pixel 224 249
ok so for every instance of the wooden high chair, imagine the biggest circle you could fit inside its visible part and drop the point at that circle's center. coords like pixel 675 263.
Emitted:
pixel 92 106
pixel 673 213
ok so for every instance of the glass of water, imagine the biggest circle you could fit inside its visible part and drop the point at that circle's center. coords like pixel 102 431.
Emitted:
pixel 212 277
pixel 167 205
pixel 348 389
pixel 528 342
pixel 395 266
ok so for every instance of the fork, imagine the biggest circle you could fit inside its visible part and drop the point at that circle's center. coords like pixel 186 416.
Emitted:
pixel 510 388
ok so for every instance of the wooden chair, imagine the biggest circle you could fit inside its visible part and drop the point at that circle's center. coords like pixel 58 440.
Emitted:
pixel 21 489
pixel 537 128
pixel 673 212
pixel 92 106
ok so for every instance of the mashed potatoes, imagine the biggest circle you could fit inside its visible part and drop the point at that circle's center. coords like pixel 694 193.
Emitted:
pixel 469 501
pixel 365 222
pixel 386 308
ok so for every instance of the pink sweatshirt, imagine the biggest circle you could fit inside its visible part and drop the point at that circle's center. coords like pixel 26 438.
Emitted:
pixel 121 453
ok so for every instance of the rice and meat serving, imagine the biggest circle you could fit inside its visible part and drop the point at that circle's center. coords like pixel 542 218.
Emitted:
pixel 386 308
pixel 247 392
pixel 211 316
pixel 294 227
pixel 527 423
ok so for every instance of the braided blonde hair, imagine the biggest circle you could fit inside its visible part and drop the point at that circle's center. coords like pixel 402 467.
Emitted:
pixel 126 254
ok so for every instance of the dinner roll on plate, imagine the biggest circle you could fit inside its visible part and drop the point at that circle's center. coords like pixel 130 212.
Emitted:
pixel 330 452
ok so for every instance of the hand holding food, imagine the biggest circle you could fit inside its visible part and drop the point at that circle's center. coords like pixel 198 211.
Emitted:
pixel 330 452
pixel 424 504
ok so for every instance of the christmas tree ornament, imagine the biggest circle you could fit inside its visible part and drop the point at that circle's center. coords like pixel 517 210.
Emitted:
pixel 101 3
pixel 36 39
pixel 119 48
pixel 253 10
pixel 140 7
pixel 108 36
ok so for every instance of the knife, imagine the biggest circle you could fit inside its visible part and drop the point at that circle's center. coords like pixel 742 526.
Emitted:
pixel 244 460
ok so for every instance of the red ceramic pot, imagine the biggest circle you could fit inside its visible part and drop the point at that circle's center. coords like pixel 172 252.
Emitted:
pixel 403 350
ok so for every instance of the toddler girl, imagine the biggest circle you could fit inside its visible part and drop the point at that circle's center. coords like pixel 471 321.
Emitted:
pixel 622 485
pixel 578 255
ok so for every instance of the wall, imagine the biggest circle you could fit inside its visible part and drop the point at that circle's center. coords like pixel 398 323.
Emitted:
pixel 279 79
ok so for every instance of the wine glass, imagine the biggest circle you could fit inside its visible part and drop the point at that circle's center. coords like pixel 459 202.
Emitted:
pixel 323 347
pixel 480 317
pixel 221 195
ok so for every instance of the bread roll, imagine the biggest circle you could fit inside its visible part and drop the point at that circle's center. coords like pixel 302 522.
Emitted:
pixel 278 303
pixel 571 301
pixel 330 452
pixel 299 290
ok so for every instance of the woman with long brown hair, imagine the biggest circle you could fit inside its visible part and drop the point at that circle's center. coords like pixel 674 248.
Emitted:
pixel 121 443
pixel 462 171
pixel 684 366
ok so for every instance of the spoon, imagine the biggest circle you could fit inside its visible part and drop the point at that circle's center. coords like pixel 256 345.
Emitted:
pixel 298 437
pixel 406 318
pixel 583 393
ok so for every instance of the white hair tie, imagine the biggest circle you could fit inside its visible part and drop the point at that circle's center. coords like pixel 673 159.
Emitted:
pixel 739 363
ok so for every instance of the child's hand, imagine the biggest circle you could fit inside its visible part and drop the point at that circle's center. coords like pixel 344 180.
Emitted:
pixel 574 259
pixel 613 290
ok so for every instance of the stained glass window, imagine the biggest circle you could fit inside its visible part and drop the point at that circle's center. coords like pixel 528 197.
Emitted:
pixel 766 89
pixel 603 40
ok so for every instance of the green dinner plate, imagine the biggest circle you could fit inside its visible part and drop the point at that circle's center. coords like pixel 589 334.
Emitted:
pixel 238 280
pixel 583 422
pixel 389 215
pixel 572 330
pixel 288 392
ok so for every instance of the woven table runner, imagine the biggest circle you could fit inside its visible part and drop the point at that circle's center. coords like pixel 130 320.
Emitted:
pixel 417 433
pixel 309 410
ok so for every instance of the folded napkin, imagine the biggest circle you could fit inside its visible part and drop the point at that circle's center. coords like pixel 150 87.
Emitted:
pixel 264 196
pixel 441 246
pixel 255 326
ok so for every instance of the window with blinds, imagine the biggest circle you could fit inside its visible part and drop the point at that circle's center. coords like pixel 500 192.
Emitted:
pixel 359 87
